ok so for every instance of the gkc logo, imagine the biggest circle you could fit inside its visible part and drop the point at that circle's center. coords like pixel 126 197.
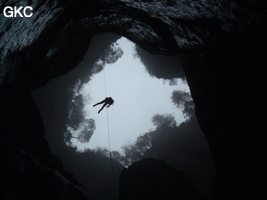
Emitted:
pixel 18 11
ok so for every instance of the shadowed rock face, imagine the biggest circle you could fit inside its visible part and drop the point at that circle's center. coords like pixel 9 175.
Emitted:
pixel 154 179
pixel 222 45
pixel 28 169
pixel 55 39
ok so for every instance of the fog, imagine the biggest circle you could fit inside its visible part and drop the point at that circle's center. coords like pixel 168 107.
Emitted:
pixel 151 117
pixel 138 97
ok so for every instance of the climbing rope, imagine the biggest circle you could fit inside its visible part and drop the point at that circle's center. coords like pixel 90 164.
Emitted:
pixel 105 82
pixel 109 143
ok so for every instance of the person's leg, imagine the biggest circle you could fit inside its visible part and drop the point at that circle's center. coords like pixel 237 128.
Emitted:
pixel 102 108
pixel 99 103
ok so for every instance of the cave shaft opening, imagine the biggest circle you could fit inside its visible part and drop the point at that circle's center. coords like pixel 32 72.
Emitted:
pixel 84 86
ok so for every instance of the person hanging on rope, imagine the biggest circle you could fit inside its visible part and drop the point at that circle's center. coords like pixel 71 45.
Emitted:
pixel 108 101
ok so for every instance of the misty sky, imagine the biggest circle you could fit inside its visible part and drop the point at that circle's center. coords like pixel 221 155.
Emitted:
pixel 137 96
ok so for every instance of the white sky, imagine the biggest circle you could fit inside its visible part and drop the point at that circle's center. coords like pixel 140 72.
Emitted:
pixel 137 96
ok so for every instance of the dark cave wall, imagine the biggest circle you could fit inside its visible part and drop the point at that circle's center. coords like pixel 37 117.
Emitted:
pixel 57 36
pixel 28 169
pixel 150 179
pixel 235 101
pixel 222 45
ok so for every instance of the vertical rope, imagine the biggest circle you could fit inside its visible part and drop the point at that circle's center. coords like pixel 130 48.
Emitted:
pixel 105 82
pixel 109 143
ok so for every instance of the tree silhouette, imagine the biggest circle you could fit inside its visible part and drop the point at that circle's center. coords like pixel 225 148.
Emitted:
pixel 184 100
pixel 83 133
pixel 102 151
pixel 164 120
pixel 111 55
pixel 143 143
pixel 136 150
pixel 78 127
pixel 76 112
pixel 130 154
pixel 173 82
pixel 117 156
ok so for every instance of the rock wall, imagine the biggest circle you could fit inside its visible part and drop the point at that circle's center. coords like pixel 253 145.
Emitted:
pixel 28 169
pixel 227 90
pixel 154 179
pixel 223 47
